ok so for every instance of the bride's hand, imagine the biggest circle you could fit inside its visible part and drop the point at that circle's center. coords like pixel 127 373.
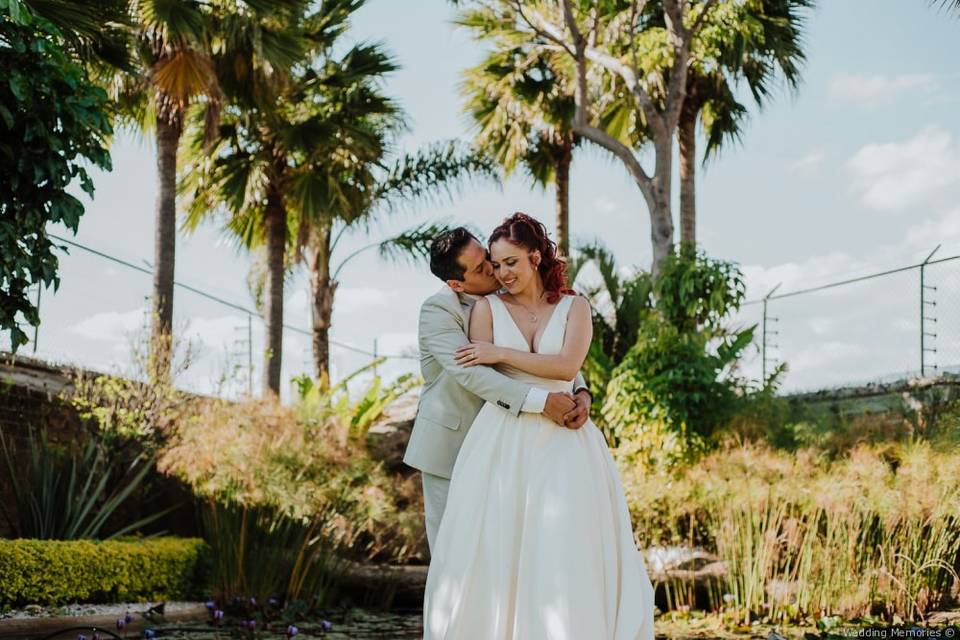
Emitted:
pixel 476 353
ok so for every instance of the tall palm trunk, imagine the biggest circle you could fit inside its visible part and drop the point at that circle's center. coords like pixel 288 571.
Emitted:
pixel 322 291
pixel 165 245
pixel 687 139
pixel 562 169
pixel 276 228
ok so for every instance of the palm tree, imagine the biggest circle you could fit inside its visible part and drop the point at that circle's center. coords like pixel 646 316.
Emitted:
pixel 172 68
pixel 365 189
pixel 269 165
pixel 523 109
pixel 752 42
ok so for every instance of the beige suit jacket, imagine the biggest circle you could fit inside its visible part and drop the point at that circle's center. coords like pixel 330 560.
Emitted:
pixel 453 395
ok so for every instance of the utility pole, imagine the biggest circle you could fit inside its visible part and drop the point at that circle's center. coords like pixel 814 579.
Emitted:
pixel 765 331
pixel 924 318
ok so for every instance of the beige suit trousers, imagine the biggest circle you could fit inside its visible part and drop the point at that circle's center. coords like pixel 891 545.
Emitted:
pixel 435 490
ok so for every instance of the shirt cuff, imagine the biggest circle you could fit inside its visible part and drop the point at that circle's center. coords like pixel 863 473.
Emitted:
pixel 535 401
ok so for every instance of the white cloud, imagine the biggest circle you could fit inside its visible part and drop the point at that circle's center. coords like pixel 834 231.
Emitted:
pixel 813 271
pixel 605 205
pixel 110 325
pixel 931 232
pixel 348 300
pixel 897 175
pixel 809 161
pixel 870 89
pixel 356 299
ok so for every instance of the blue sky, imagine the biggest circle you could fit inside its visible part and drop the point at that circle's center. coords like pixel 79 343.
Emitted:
pixel 858 171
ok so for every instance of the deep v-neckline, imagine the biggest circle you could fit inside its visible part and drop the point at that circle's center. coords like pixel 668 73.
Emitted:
pixel 519 331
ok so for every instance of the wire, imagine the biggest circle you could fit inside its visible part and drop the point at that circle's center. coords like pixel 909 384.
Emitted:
pixel 227 303
pixel 849 281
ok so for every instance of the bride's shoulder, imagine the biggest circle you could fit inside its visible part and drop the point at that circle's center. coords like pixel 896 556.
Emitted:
pixel 579 305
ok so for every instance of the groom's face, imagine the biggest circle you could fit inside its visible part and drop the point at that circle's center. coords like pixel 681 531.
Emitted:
pixel 478 276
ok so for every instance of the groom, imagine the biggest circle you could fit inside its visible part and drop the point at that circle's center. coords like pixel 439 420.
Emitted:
pixel 453 395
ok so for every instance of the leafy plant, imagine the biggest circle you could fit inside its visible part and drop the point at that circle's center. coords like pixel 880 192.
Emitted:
pixel 71 495
pixel 53 126
pixel 260 552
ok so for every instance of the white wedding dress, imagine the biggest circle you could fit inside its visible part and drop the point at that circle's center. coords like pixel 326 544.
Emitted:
pixel 536 541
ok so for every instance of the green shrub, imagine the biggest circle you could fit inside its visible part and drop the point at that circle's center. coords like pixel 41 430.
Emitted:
pixel 55 571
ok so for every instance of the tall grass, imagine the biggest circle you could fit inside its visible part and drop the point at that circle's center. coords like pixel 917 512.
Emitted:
pixel 874 532
pixel 290 490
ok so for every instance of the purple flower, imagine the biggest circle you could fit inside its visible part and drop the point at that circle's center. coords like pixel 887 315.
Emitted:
pixel 251 624
pixel 218 614
pixel 273 601
pixel 292 631
pixel 96 636
pixel 80 636
pixel 121 623
pixel 209 604
pixel 128 618
pixel 253 601
pixel 326 625
pixel 149 633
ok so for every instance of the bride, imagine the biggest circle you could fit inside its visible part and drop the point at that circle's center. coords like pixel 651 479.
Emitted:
pixel 535 542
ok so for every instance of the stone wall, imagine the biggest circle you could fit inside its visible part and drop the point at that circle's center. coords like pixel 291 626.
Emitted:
pixel 31 397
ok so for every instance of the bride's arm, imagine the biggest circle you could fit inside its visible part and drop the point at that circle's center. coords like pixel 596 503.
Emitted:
pixel 561 366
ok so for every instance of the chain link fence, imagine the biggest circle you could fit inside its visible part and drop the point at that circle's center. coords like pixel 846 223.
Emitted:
pixel 882 327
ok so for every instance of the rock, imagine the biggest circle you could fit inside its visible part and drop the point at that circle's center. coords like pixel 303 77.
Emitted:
pixel 387 438
pixel 944 617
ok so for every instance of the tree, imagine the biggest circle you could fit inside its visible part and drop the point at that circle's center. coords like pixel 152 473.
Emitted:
pixel 53 125
pixel 364 191
pixel 609 39
pixel 523 109
pixel 752 41
pixel 268 166
pixel 171 68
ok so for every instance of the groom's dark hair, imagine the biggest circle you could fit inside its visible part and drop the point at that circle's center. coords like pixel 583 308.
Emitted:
pixel 445 253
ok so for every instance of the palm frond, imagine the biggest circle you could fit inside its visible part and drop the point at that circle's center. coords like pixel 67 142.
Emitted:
pixel 438 170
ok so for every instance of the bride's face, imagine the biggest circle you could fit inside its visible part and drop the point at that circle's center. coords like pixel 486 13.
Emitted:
pixel 514 266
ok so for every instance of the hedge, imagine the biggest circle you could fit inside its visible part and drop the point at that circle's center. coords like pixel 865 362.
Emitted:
pixel 61 571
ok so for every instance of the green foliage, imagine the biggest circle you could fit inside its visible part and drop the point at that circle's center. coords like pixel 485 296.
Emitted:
pixel 60 572
pixel 306 463
pixel 52 127
pixel 69 495
pixel 871 532
pixel 662 364
pixel 260 552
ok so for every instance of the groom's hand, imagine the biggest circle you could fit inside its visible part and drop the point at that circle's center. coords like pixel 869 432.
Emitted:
pixel 577 417
pixel 558 405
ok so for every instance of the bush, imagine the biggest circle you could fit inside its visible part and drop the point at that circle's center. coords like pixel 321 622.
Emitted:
pixel 55 572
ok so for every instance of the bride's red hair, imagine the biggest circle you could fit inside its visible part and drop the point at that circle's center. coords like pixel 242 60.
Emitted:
pixel 524 231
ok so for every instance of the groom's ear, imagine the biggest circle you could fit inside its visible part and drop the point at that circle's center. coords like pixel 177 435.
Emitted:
pixel 456 285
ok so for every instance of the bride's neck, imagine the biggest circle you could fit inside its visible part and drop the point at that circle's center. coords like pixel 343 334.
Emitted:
pixel 531 295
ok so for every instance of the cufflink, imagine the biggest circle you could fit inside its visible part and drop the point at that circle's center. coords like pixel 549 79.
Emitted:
pixel 503 404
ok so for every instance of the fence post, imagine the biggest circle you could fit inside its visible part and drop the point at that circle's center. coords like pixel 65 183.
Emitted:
pixel 36 328
pixel 765 332
pixel 250 354
pixel 924 317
